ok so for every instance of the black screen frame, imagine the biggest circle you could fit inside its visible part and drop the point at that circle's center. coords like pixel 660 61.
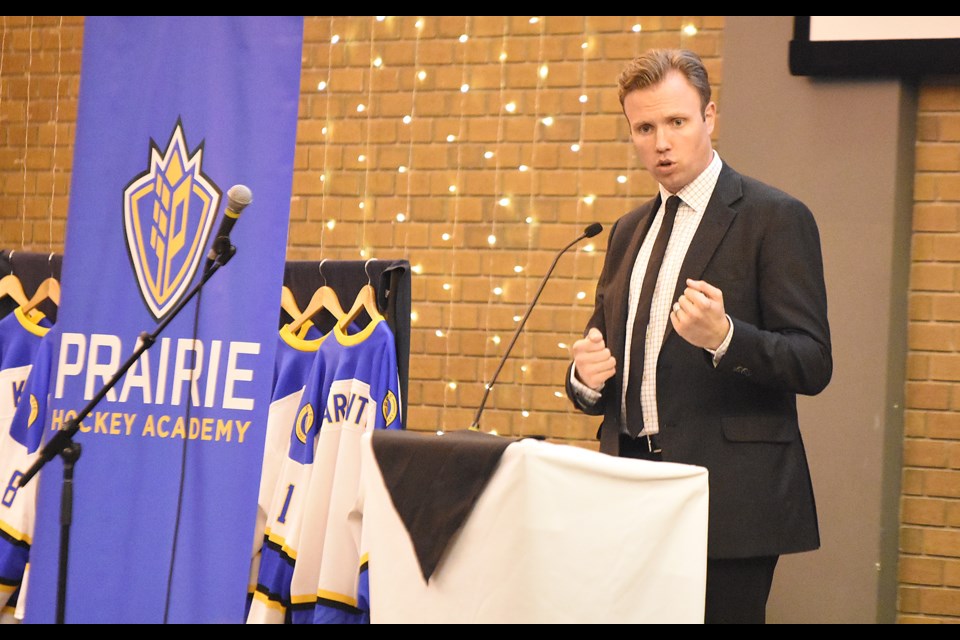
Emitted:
pixel 913 57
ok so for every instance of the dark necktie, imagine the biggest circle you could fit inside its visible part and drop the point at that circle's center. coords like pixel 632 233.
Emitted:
pixel 639 339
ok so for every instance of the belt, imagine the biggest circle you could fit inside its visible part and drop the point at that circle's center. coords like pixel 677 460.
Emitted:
pixel 649 443
pixel 653 442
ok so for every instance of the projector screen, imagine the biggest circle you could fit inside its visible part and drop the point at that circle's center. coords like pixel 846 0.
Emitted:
pixel 875 45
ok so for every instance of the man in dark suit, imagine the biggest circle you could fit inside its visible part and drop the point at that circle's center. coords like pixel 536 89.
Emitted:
pixel 710 316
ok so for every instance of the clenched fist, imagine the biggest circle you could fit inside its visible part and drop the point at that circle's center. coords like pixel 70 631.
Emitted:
pixel 698 315
pixel 592 360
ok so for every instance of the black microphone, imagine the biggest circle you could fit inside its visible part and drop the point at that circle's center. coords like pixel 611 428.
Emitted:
pixel 238 197
pixel 589 232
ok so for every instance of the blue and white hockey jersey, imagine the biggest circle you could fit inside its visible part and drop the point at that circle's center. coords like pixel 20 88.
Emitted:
pixel 20 335
pixel 295 355
pixel 18 451
pixel 364 367
pixel 313 564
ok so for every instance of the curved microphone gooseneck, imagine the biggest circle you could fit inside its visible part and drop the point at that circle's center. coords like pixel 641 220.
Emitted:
pixel 589 232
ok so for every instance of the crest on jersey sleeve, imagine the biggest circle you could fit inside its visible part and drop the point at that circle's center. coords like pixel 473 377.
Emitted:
pixel 34 410
pixel 389 408
pixel 167 215
pixel 304 423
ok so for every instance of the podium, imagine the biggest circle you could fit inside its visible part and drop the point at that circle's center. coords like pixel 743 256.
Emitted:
pixel 559 534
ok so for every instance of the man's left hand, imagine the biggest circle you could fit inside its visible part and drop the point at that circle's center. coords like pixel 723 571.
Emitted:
pixel 698 315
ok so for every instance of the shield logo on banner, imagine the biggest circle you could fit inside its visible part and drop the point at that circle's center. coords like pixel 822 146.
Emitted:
pixel 167 215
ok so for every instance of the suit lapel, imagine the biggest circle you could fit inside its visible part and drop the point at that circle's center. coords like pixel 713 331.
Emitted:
pixel 713 227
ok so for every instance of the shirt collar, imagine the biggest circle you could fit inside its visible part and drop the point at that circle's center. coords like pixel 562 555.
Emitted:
pixel 697 193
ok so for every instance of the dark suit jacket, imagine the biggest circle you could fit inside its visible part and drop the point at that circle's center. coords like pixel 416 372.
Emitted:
pixel 761 248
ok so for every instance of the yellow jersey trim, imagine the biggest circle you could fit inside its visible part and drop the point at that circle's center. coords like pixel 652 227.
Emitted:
pixel 336 597
pixel 296 340
pixel 307 599
pixel 357 338
pixel 13 533
pixel 280 542
pixel 272 604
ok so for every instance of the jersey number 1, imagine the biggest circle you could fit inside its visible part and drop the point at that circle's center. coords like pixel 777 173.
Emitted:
pixel 282 518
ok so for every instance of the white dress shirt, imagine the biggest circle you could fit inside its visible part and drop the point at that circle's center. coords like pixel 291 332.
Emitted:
pixel 694 199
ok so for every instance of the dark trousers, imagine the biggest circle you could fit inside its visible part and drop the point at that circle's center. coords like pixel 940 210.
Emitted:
pixel 737 588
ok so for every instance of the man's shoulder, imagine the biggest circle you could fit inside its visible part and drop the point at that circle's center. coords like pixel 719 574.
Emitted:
pixel 752 189
pixel 761 203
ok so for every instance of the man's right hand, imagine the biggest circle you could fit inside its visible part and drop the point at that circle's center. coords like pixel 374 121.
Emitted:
pixel 592 360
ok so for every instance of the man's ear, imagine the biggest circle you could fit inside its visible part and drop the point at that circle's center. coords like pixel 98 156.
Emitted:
pixel 710 115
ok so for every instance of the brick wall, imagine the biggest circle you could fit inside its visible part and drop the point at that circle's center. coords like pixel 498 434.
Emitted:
pixel 39 85
pixel 457 313
pixel 930 508
pixel 467 168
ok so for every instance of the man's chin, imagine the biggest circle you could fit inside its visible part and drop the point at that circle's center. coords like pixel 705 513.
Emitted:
pixel 670 182
pixel 667 176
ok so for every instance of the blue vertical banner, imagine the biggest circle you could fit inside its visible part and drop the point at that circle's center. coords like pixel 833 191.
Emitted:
pixel 173 112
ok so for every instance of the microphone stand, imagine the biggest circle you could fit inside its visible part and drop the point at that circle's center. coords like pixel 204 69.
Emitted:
pixel 516 334
pixel 62 442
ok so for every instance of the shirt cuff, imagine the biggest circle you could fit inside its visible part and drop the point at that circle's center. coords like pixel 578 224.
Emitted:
pixel 586 396
pixel 720 351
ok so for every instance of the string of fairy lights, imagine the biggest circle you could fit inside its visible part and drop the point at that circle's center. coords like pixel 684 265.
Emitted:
pixel 26 136
pixel 407 170
pixel 501 200
pixel 455 190
pixel 364 158
pixel 454 238
pixel 631 155
pixel 56 134
pixel 322 87
pixel 583 99
pixel 542 74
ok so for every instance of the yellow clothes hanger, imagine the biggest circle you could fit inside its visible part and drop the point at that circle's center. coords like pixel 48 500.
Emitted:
pixel 10 285
pixel 323 298
pixel 288 303
pixel 49 289
pixel 366 301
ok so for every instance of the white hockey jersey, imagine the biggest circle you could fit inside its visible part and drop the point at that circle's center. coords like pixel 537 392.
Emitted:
pixel 21 436
pixel 295 355
pixel 310 563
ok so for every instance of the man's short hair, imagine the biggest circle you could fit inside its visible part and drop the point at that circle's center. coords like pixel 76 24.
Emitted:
pixel 651 68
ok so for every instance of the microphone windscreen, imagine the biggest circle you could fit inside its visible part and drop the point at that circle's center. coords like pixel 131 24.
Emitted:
pixel 238 197
pixel 593 230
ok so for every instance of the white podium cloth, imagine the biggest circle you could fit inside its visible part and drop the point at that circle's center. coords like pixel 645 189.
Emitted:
pixel 559 535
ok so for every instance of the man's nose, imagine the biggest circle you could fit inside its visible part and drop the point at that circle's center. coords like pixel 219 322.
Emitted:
pixel 663 139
